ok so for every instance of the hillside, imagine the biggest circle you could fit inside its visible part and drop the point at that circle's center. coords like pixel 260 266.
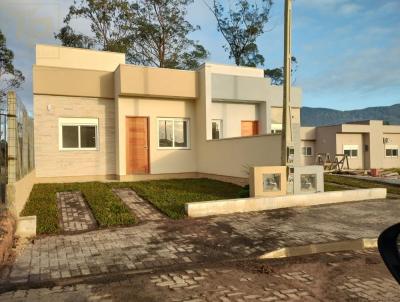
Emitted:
pixel 323 116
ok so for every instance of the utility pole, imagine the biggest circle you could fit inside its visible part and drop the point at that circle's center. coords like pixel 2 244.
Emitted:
pixel 287 151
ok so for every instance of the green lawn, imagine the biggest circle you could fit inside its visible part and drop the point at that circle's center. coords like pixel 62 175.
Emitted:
pixel 107 208
pixel 170 196
pixel 360 183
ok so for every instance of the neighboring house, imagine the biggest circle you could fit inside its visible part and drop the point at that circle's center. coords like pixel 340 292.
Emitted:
pixel 97 118
pixel 368 144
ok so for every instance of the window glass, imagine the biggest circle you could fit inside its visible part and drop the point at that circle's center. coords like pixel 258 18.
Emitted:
pixel 70 137
pixel 271 182
pixel 88 136
pixel 308 182
pixel 216 129
pixel 388 152
pixel 165 133
pixel 307 151
pixel 347 152
pixel 354 153
pixel 180 133
pixel 395 152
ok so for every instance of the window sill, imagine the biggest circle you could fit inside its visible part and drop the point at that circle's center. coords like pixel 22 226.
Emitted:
pixel 79 149
pixel 172 148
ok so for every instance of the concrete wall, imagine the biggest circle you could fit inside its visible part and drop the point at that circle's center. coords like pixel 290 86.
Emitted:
pixel 394 140
pixel 232 114
pixel 73 82
pixel 161 160
pixel 276 115
pixel 69 57
pixel 234 156
pixel 18 192
pixel 49 160
pixel 307 160
pixel 351 139
pixel 155 82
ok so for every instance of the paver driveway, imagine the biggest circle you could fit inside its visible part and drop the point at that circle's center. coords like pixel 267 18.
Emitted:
pixel 343 276
pixel 162 243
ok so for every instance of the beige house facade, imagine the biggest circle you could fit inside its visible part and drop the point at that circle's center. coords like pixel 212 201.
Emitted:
pixel 98 118
pixel 368 144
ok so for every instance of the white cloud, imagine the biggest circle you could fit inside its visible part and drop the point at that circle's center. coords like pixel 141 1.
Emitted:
pixel 367 70
pixel 349 8
pixel 344 7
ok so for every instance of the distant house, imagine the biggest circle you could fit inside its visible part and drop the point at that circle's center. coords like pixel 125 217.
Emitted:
pixel 98 118
pixel 368 144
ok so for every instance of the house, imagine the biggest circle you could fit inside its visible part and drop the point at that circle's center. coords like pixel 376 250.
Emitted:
pixel 368 144
pixel 98 118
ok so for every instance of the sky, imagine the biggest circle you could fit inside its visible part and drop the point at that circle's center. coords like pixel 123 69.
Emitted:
pixel 348 50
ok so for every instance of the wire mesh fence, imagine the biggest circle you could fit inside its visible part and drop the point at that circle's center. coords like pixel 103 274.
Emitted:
pixel 16 142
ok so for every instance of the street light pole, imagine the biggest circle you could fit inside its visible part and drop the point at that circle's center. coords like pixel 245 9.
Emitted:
pixel 287 151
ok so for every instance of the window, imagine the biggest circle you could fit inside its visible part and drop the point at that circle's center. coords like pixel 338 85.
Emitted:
pixel 307 151
pixel 216 129
pixel 392 151
pixel 350 150
pixel 78 133
pixel 276 128
pixel 173 133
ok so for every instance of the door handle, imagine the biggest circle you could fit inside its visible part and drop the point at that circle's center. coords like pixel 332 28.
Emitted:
pixel 145 147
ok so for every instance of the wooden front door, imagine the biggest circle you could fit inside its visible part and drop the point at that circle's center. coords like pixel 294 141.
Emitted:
pixel 249 128
pixel 137 145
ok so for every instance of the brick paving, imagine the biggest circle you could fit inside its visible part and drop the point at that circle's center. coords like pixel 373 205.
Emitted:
pixel 75 213
pixel 157 244
pixel 355 276
pixel 141 208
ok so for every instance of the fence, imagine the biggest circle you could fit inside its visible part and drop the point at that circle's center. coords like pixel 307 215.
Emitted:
pixel 16 143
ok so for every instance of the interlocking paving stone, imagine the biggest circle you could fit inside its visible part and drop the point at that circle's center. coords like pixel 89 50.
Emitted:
pixel 141 208
pixel 75 213
pixel 161 243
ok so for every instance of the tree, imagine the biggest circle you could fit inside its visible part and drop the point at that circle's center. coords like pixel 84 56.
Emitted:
pixel 161 35
pixel 150 32
pixel 10 77
pixel 108 20
pixel 241 25
pixel 276 74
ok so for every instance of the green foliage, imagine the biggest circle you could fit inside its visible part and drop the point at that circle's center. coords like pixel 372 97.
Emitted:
pixel 361 183
pixel 241 25
pixel 160 31
pixel 150 32
pixel 10 77
pixel 276 74
pixel 107 208
pixel 109 25
pixel 245 192
pixel 170 196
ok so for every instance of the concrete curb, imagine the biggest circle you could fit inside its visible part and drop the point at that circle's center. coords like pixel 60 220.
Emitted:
pixel 337 246
pixel 230 206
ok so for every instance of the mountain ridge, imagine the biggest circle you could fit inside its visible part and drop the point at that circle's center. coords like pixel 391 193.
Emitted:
pixel 313 116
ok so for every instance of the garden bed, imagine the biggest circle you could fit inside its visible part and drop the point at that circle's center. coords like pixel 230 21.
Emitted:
pixel 107 209
pixel 170 196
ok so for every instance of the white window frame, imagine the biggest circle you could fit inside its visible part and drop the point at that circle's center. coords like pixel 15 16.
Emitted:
pixel 221 128
pixel 67 121
pixel 173 119
pixel 305 153
pixel 392 147
pixel 351 148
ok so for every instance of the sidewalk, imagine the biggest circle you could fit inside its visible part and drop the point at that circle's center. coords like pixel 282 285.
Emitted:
pixel 165 243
